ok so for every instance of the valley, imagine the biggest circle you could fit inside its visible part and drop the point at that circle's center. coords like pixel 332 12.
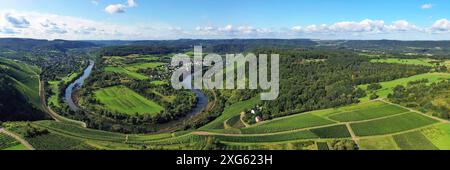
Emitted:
pixel 329 100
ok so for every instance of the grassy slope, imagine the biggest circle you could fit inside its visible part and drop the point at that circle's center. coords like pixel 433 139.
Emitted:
pixel 124 100
pixel 231 111
pixel 390 85
pixel 26 79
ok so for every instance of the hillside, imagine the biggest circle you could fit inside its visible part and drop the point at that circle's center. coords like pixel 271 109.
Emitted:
pixel 19 86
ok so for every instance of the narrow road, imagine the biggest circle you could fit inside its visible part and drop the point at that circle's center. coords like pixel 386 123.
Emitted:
pixel 18 138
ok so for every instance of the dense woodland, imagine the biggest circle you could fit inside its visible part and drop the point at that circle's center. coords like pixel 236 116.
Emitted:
pixel 312 80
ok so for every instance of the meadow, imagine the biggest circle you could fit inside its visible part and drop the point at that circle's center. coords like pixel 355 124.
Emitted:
pixel 387 87
pixel 121 70
pixel 419 61
pixel 124 100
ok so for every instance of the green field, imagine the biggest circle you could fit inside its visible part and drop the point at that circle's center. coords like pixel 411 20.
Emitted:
pixel 414 141
pixel 439 135
pixel 368 113
pixel 390 85
pixel 269 138
pixel 338 131
pixel 420 61
pixel 380 143
pixel 121 70
pixel 140 66
pixel 393 124
pixel 288 123
pixel 124 100
pixel 9 143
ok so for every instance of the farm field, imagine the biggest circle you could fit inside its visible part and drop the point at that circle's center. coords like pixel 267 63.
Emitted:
pixel 286 124
pixel 378 143
pixel 368 113
pixel 124 100
pixel 419 61
pixel 414 140
pixel 395 128
pixel 9 143
pixel 121 70
pixel 139 66
pixel 439 136
pixel 388 86
pixel 399 123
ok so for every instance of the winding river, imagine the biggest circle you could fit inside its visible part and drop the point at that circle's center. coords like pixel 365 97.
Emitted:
pixel 202 99
pixel 77 85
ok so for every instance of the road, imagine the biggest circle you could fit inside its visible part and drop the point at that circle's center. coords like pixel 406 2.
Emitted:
pixel 18 138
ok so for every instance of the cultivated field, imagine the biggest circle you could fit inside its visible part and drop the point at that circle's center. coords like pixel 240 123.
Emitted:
pixel 313 130
pixel 124 100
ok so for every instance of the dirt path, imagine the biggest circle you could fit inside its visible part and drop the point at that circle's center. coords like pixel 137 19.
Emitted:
pixel 352 133
pixel 18 138
pixel 52 113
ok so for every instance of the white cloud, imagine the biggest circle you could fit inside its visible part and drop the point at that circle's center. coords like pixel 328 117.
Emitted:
pixel 442 25
pixel 115 8
pixel 132 3
pixel 120 8
pixel 402 26
pixel 426 6
pixel 296 28
pixel 50 26
pixel 366 26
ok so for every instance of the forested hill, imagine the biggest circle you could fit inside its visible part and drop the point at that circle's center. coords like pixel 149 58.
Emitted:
pixel 34 44
pixel 19 89
pixel 217 45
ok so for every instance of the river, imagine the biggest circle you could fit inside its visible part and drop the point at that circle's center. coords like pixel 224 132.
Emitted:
pixel 202 99
pixel 77 85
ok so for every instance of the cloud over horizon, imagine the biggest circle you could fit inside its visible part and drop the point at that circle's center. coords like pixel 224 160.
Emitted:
pixel 50 26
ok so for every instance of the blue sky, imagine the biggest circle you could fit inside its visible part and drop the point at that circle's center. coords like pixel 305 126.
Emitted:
pixel 173 19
